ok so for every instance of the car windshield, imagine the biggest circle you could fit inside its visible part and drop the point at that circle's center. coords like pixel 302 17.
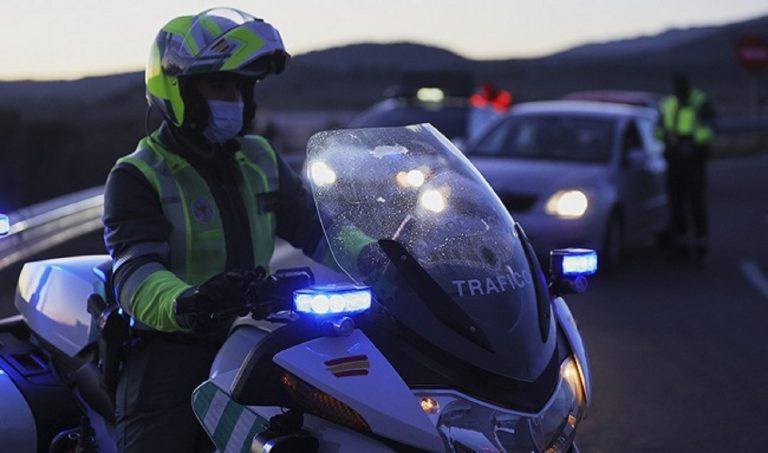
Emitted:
pixel 411 187
pixel 577 138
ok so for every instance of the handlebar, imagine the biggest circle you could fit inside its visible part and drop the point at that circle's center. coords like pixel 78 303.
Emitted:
pixel 266 296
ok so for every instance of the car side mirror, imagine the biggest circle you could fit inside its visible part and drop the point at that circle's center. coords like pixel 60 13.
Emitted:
pixel 635 157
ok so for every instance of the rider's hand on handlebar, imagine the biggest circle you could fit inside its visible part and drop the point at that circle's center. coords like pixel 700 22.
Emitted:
pixel 211 306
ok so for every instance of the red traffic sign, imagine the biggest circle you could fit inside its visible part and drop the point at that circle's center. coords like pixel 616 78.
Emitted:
pixel 752 52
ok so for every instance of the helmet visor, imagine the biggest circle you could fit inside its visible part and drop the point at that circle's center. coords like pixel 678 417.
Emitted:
pixel 223 39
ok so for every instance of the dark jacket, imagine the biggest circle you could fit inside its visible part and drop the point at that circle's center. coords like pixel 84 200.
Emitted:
pixel 133 213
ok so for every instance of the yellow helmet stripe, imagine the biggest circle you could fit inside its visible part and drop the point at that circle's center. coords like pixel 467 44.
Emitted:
pixel 250 43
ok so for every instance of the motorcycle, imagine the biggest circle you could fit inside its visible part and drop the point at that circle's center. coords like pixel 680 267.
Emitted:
pixel 447 337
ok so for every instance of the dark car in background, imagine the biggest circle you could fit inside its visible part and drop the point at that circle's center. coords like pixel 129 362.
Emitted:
pixel 577 173
pixel 447 100
pixel 454 118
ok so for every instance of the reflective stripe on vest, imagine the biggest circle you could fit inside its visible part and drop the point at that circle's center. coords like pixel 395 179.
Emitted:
pixel 683 120
pixel 197 247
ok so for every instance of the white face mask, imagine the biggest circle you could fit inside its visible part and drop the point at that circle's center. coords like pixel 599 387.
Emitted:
pixel 225 122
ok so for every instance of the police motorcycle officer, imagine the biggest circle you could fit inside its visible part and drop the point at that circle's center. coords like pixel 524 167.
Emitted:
pixel 686 129
pixel 191 218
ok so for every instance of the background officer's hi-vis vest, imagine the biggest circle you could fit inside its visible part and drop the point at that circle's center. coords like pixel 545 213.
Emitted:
pixel 683 120
pixel 197 248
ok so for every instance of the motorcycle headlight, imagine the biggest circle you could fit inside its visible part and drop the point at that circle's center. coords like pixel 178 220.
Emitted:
pixel 466 423
pixel 568 204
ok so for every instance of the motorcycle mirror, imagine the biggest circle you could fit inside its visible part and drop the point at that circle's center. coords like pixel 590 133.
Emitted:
pixel 569 269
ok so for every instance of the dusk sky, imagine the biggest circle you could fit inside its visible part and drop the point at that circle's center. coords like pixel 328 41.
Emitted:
pixel 67 39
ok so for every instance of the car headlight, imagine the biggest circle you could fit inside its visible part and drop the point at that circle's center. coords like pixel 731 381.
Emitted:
pixel 469 424
pixel 568 204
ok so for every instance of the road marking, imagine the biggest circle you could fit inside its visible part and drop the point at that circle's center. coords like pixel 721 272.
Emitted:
pixel 755 276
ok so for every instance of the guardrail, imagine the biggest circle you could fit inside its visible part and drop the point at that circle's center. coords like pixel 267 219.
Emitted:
pixel 50 223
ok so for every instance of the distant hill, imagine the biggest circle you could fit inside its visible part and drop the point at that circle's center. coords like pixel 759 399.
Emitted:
pixel 89 89
pixel 401 55
pixel 675 47
pixel 62 136
pixel 638 45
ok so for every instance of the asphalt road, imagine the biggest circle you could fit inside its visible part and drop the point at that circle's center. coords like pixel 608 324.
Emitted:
pixel 678 353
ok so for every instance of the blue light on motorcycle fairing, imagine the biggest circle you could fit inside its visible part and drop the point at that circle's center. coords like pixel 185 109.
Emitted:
pixel 332 300
pixel 5 225
pixel 578 262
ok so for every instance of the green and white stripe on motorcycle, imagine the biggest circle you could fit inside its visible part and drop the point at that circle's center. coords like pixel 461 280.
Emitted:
pixel 231 426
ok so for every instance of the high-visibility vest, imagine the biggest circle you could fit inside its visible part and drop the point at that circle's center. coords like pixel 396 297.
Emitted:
pixel 197 247
pixel 683 120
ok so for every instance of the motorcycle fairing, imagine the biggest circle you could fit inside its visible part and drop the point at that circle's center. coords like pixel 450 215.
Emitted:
pixel 52 295
pixel 354 371
pixel 252 420
pixel 18 424
pixel 231 426
pixel 568 324
pixel 409 187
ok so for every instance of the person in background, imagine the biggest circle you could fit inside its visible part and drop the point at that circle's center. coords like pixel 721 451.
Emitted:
pixel 191 218
pixel 686 129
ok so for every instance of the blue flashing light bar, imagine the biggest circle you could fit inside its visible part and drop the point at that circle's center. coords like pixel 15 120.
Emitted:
pixel 578 262
pixel 5 224
pixel 332 300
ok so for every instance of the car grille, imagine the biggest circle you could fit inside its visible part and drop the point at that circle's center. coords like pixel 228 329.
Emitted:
pixel 517 202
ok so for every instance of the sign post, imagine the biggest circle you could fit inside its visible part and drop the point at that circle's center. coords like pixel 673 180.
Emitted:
pixel 752 53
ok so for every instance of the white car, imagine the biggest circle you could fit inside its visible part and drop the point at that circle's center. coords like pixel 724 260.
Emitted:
pixel 577 174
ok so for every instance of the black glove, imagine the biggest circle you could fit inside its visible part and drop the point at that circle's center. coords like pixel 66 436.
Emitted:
pixel 211 306
pixel 370 258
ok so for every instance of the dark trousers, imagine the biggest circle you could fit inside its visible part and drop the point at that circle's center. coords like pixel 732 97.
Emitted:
pixel 153 398
pixel 688 203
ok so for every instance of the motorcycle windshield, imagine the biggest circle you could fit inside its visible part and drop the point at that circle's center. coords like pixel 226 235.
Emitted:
pixel 400 197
